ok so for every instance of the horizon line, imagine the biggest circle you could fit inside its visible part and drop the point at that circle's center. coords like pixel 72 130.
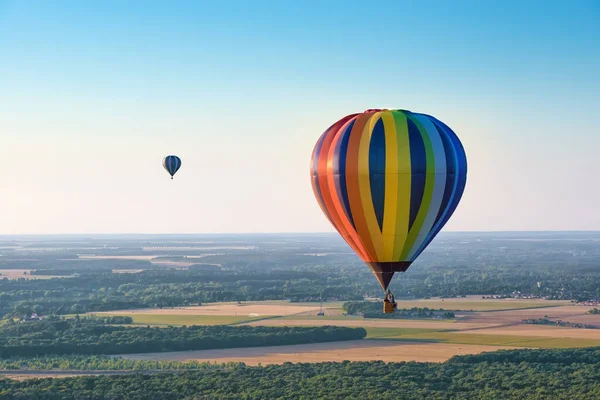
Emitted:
pixel 279 233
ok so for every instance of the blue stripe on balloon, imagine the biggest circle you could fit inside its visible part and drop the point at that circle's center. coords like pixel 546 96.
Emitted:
pixel 459 182
pixel 172 164
pixel 418 165
pixel 450 171
pixel 377 170
pixel 339 170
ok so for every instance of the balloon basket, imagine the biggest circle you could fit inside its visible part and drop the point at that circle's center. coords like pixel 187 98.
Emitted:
pixel 389 307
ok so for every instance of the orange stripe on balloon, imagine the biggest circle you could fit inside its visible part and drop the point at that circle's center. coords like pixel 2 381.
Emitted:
pixel 326 192
pixel 313 180
pixel 351 235
pixel 352 184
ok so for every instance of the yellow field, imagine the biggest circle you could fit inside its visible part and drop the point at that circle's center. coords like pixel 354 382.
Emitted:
pixel 539 331
pixel 370 322
pixel 565 313
pixel 472 338
pixel 476 303
pixel 252 309
pixel 428 340
pixel 18 274
pixel 355 350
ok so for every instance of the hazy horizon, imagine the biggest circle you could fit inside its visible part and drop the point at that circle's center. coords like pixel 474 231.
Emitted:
pixel 94 95
pixel 333 234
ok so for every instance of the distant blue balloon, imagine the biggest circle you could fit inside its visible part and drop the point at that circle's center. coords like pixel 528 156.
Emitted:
pixel 172 164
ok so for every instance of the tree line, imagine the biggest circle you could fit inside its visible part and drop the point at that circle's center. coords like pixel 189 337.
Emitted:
pixel 92 336
pixel 105 291
pixel 517 374
pixel 103 363
pixel 371 309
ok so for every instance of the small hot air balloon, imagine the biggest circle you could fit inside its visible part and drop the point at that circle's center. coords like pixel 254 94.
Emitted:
pixel 172 164
pixel 388 181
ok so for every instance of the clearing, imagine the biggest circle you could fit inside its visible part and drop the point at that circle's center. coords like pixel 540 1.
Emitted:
pixel 354 350
pixel 252 309
pixel 19 274
pixel 476 303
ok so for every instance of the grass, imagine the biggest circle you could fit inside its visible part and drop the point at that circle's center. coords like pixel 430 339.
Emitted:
pixel 166 319
pixel 474 339
pixel 396 333
pixel 323 317
pixel 480 305
pixel 358 318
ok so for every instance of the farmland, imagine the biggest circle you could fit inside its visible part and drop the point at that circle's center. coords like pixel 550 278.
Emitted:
pixel 359 350
pixel 389 340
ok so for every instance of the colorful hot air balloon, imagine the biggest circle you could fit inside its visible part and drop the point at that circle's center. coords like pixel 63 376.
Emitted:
pixel 388 181
pixel 172 164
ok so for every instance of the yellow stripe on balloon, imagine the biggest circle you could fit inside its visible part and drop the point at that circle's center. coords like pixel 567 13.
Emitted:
pixel 391 186
pixel 404 179
pixel 364 183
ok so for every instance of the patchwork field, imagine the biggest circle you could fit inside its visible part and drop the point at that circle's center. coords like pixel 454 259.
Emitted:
pixel 539 331
pixel 252 309
pixel 370 322
pixel 491 339
pixel 355 350
pixel 476 303
pixel 496 325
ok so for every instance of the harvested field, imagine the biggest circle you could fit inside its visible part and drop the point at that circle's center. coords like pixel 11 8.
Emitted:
pixel 18 274
pixel 167 263
pixel 355 350
pixel 258 309
pixel 587 319
pixel 188 248
pixel 93 257
pixel 539 331
pixel 126 271
pixel 476 303
pixel 371 322
pixel 395 333
pixel 154 259
pixel 475 338
pixel 516 316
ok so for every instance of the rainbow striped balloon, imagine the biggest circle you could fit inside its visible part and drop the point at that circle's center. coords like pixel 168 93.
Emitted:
pixel 388 181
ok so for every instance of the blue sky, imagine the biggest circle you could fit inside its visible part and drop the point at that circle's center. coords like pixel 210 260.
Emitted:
pixel 94 94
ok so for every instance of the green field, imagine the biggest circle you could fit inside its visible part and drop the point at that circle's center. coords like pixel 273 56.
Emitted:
pixel 439 336
pixel 322 318
pixel 478 305
pixel 396 333
pixel 168 319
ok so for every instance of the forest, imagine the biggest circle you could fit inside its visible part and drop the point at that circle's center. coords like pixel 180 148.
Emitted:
pixel 371 309
pixel 515 374
pixel 93 336
pixel 102 363
pixel 296 268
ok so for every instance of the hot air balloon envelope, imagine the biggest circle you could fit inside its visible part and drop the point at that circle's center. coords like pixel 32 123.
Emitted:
pixel 388 181
pixel 172 164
